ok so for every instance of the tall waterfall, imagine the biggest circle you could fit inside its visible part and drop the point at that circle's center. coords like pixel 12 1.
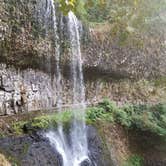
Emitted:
pixel 78 132
pixel 76 152
pixel 57 138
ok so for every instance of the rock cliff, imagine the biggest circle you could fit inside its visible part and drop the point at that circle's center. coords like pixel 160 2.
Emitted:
pixel 28 61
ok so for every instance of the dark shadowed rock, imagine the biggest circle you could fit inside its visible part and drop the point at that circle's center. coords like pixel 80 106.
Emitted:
pixel 86 163
pixel 35 150
pixel 30 151
pixel 40 154
pixel 98 152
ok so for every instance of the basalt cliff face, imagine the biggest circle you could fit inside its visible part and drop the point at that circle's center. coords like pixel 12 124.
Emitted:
pixel 28 61
pixel 27 56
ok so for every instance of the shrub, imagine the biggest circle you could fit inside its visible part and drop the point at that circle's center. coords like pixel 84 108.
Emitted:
pixel 108 105
pixel 144 117
pixel 96 113
pixel 121 117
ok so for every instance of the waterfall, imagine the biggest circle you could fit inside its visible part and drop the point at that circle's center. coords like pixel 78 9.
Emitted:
pixel 78 132
pixel 75 152
pixel 57 139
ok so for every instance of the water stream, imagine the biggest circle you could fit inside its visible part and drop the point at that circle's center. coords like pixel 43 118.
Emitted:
pixel 75 152
pixel 78 132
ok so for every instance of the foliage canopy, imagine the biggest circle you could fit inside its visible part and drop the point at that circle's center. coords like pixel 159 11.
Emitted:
pixel 131 15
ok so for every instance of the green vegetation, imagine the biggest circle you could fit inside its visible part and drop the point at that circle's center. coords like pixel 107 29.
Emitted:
pixel 143 117
pixel 42 122
pixel 134 160
pixel 130 14
pixel 66 6
pixel 129 21
pixel 160 82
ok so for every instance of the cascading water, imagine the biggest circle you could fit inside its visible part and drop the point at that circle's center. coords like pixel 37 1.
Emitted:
pixel 76 152
pixel 78 132
pixel 57 138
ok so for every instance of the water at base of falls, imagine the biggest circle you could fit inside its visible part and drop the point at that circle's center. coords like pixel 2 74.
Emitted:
pixel 72 148
pixel 63 147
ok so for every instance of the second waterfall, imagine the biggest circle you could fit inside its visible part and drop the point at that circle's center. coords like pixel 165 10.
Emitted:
pixel 72 148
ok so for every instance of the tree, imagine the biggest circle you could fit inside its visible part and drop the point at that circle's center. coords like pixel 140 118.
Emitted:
pixel 67 5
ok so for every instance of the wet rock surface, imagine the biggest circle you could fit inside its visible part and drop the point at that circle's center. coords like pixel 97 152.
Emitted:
pixel 35 150
pixel 40 154
pixel 29 151
pixel 98 152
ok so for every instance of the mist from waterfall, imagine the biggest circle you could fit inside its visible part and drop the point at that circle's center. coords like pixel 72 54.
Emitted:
pixel 75 152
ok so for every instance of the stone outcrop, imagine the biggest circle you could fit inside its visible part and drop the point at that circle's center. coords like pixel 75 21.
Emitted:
pixel 26 35
pixel 29 151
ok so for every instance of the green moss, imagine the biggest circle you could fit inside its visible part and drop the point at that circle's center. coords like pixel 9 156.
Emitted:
pixel 25 148
pixel 2 135
pixel 160 81
pixel 134 160
pixel 18 127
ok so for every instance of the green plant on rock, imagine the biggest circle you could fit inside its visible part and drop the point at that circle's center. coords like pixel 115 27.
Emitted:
pixel 150 118
pixel 18 127
pixel 94 113
pixel 134 160
pixel 122 117
pixel 108 105
pixel 43 122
